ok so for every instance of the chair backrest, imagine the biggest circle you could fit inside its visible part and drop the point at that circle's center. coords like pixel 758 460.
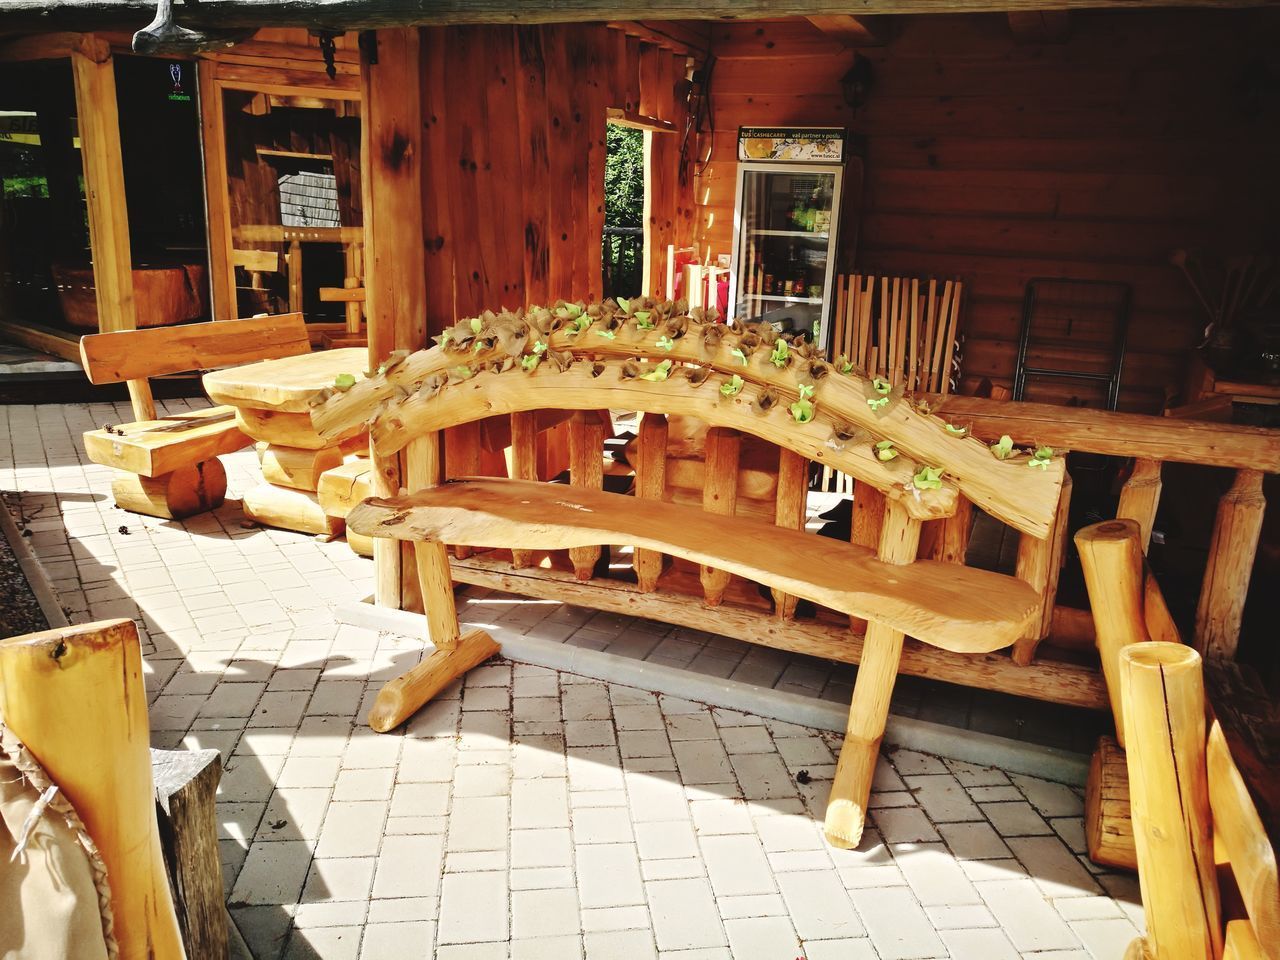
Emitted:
pixel 139 354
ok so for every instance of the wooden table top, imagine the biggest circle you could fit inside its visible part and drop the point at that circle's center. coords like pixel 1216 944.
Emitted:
pixel 286 384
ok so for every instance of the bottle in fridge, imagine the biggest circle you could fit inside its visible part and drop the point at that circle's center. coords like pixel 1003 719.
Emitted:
pixel 785 218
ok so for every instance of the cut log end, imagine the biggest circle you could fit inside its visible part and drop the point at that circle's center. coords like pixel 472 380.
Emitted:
pixel 187 491
pixel 404 696
pixel 844 825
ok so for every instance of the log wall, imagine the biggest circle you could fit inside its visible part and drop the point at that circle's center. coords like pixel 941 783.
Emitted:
pixel 513 188
pixel 997 160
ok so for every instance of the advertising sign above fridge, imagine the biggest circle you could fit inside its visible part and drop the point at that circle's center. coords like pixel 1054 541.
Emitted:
pixel 791 144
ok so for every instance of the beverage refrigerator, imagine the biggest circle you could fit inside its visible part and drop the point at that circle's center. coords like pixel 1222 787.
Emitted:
pixel 786 217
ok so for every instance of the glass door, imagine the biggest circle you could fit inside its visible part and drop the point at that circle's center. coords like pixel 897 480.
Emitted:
pixel 786 226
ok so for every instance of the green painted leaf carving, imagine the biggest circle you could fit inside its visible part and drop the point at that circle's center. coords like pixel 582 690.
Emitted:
pixel 732 387
pixel 956 431
pixel 665 343
pixel 885 451
pixel 625 305
pixel 877 403
pixel 882 386
pixel 463 373
pixel 1004 449
pixel 476 324
pixel 781 355
pixel 928 478
pixel 658 373
pixel 737 352
pixel 344 381
pixel 540 347
pixel 530 361
pixel 607 334
pixel 805 390
pixel 802 410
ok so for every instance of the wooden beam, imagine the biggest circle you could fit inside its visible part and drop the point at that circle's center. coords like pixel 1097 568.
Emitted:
pixel 1236 531
pixel 626 118
pixel 853 31
pixel 33 15
pixel 1040 26
pixel 677 37
pixel 99 125
pixel 55 46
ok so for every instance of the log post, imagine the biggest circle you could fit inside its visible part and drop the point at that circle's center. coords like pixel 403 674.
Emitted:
pixel 75 697
pixel 1111 556
pixel 790 511
pixel 1162 685
pixel 186 785
pixel 864 528
pixel 1040 564
pixel 391 132
pixel 99 127
pixel 423 463
pixel 720 497
pixel 1226 577
pixel 524 465
pixel 651 484
pixel 872 691
pixel 586 469
pixel 950 536
pixel 1140 497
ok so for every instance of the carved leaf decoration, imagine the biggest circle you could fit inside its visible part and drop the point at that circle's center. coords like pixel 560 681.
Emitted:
pixel 766 333
pixel 540 318
pixel 781 355
pixel 630 370
pixel 607 334
pixel 1041 458
pixel 505 364
pixel 459 374
pixel 843 434
pixel 597 368
pixel 817 369
pixel 805 390
pixel 884 451
pixel 624 305
pixel 394 359
pixel 665 343
pixel 697 375
pixel 676 327
pixel 802 410
pixel 765 400
pixel 928 478
pixel 659 373
pixel 845 365
pixel 529 362
pixel 344 382
pixel 712 336
pixel 562 360
pixel 732 387
pixel 642 320
pixel 956 431
pixel 476 324
pixel 1003 449
pixel 737 352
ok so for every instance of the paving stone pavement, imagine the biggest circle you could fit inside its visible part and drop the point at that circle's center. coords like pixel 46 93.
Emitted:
pixel 527 813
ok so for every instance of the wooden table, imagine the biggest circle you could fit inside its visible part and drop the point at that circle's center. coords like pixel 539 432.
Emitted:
pixel 271 400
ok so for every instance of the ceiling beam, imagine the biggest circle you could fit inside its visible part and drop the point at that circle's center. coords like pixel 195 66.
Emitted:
pixel 1040 26
pixel 51 15
pixel 691 39
pixel 853 31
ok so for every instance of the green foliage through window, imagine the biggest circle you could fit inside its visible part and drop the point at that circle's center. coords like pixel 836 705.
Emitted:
pixel 623 211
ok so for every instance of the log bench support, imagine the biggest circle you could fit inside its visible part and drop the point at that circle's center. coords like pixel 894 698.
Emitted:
pixel 453 655
pixel 195 488
pixel 872 690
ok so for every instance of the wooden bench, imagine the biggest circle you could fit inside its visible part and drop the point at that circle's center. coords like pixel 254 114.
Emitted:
pixel 956 608
pixel 169 466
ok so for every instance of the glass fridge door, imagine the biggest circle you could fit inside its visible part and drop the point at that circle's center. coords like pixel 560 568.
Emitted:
pixel 786 243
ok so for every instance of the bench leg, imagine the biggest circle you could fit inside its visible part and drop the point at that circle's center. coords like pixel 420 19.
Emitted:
pixel 872 690
pixel 189 490
pixel 453 656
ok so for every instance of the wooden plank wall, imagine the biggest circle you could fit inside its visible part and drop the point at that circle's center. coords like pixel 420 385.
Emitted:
pixel 513 191
pixel 997 161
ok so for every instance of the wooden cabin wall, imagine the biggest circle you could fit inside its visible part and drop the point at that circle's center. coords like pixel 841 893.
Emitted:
pixel 997 161
pixel 514 141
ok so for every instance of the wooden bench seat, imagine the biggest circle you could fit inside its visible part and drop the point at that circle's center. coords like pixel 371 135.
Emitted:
pixel 151 448
pixel 962 609
pixel 169 465
pixel 949 606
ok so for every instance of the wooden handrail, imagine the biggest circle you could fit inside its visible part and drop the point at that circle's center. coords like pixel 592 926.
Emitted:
pixel 1121 434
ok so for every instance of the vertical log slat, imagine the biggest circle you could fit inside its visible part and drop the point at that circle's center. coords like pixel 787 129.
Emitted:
pixel 1162 686
pixel 651 484
pixel 719 496
pixel 586 469
pixel 790 511
pixel 524 465
pixel 1226 577
pixel 864 527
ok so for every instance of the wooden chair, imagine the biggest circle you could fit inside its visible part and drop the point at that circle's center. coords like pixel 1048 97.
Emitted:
pixel 739 385
pixel 169 465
